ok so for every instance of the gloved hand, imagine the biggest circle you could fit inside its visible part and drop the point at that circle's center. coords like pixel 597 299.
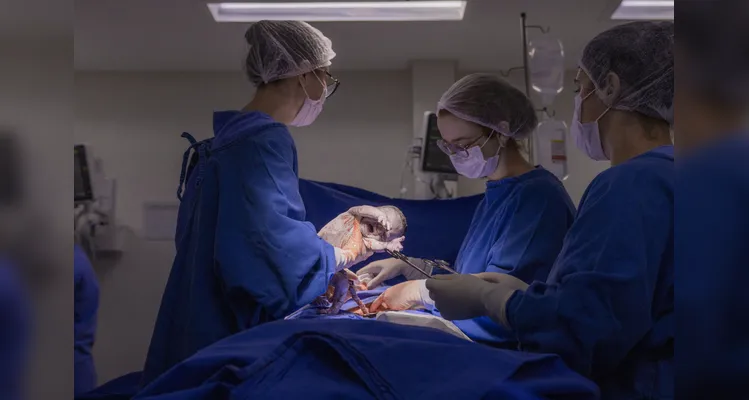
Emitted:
pixel 378 246
pixel 464 296
pixel 371 213
pixel 377 272
pixel 346 259
pixel 403 296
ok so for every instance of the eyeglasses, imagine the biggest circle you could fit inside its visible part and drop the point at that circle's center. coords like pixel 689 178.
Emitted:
pixel 452 149
pixel 331 82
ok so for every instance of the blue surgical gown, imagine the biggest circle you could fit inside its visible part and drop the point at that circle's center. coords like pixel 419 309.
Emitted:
pixel 607 307
pixel 15 321
pixel 245 254
pixel 86 304
pixel 517 229
pixel 712 255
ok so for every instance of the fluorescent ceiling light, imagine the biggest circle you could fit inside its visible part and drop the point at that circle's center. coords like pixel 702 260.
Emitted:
pixel 645 9
pixel 339 11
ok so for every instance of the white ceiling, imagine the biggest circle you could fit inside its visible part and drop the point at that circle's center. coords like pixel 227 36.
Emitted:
pixel 181 35
pixel 21 20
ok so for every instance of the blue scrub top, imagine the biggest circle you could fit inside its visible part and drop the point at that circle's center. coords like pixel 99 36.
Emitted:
pixel 607 307
pixel 15 319
pixel 245 254
pixel 712 254
pixel 517 229
pixel 86 305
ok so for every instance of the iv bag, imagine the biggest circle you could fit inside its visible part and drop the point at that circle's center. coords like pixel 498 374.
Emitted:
pixel 546 65
pixel 551 147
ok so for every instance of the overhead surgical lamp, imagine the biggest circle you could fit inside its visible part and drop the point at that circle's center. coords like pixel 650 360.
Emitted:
pixel 644 10
pixel 339 11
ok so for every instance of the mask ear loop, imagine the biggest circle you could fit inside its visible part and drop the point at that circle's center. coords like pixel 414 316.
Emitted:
pixel 304 89
pixel 604 113
pixel 322 84
pixel 324 94
pixel 585 98
pixel 504 138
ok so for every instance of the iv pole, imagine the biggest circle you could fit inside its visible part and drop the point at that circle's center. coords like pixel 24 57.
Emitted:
pixel 526 71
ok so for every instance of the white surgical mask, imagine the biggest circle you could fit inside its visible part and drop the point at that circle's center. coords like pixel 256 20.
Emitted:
pixel 586 135
pixel 311 108
pixel 474 165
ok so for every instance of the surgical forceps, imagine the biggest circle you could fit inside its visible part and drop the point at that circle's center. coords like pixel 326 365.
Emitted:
pixel 441 265
pixel 438 263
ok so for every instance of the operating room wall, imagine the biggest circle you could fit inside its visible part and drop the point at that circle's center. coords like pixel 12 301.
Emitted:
pixel 133 121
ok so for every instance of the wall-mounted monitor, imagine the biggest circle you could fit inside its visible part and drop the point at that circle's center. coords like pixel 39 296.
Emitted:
pixel 433 159
pixel 82 175
pixel 10 174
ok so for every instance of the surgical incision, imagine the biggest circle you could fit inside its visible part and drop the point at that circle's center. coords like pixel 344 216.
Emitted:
pixel 357 231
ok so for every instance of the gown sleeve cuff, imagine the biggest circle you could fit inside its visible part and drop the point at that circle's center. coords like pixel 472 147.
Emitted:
pixel 512 307
pixel 426 301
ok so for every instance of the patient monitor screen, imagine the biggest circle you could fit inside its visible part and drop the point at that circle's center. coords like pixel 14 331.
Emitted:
pixel 81 177
pixel 9 171
pixel 435 160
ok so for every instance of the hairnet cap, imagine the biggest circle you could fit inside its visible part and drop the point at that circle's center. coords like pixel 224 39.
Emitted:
pixel 282 49
pixel 488 100
pixel 641 54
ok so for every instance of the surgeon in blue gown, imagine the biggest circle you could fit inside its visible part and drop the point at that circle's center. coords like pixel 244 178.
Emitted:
pixel 245 254
pixel 15 319
pixel 607 306
pixel 86 305
pixel 712 242
pixel 519 226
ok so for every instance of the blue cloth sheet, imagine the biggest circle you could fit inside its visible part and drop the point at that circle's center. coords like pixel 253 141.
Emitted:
pixel 122 388
pixel 436 228
pixel 608 305
pixel 326 359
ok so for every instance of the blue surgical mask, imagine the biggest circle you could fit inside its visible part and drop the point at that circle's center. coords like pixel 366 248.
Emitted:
pixel 587 135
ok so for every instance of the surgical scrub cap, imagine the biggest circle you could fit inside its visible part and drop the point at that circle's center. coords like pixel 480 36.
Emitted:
pixel 641 55
pixel 282 49
pixel 487 100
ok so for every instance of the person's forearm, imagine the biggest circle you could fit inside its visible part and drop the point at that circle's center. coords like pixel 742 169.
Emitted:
pixel 342 258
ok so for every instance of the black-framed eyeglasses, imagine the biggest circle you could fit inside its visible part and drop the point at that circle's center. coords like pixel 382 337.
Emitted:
pixel 452 149
pixel 332 84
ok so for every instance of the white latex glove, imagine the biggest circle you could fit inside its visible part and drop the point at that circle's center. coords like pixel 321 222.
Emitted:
pixel 464 296
pixel 403 296
pixel 346 259
pixel 378 272
pixel 378 246
pixel 372 213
